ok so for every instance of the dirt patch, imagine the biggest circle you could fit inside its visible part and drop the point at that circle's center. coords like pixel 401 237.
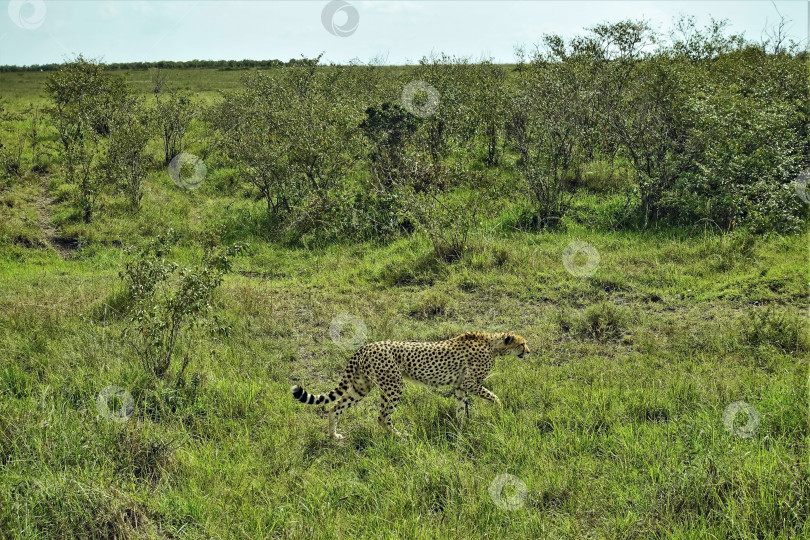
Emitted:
pixel 65 247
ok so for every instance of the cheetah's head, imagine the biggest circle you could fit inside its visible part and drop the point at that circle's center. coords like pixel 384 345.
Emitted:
pixel 514 344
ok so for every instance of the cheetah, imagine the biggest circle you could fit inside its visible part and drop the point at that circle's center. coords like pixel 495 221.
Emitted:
pixel 462 362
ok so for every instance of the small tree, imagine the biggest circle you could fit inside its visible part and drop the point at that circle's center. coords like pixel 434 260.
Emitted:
pixel 83 99
pixel 168 304
pixel 127 160
pixel 453 119
pixel 698 44
pixel 388 128
pixel 584 99
pixel 248 123
pixel 293 136
pixel 172 116
pixel 552 94
pixel 649 129
pixel 489 98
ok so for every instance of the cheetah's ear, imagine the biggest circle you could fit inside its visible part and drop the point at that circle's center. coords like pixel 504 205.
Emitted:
pixel 508 340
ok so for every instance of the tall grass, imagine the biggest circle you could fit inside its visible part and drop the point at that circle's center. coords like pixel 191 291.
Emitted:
pixel 614 423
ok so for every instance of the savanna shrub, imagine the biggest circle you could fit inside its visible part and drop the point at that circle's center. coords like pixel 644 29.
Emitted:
pixel 84 99
pixel 748 152
pixel 388 128
pixel 167 304
pixel 294 137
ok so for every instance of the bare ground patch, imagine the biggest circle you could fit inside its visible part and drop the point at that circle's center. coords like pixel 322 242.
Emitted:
pixel 64 247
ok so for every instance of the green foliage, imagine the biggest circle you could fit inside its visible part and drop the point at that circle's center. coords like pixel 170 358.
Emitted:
pixel 171 115
pixel 373 213
pixel 698 44
pixel 574 106
pixel 452 121
pixel 447 222
pixel 705 129
pixel 11 145
pixel 714 127
pixel 127 161
pixel 388 128
pixel 293 138
pixel 167 303
pixel 747 143
pixel 490 97
pixel 84 100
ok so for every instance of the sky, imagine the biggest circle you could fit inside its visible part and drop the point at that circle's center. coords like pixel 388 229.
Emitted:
pixel 394 32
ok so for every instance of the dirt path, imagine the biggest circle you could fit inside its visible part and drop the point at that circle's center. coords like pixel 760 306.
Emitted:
pixel 63 246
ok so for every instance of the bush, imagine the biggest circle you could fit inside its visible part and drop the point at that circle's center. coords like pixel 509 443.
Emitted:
pixel 388 128
pixel 293 137
pixel 373 214
pixel 452 122
pixel 167 304
pixel 172 115
pixel 748 144
pixel 127 161
pixel 740 137
pixel 84 100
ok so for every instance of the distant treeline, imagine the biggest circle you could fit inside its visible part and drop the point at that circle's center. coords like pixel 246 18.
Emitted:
pixel 169 64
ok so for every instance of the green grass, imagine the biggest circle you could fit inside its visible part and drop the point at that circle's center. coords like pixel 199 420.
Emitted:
pixel 25 87
pixel 614 433
pixel 613 423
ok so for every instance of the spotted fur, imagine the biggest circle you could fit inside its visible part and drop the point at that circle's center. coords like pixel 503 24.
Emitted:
pixel 462 362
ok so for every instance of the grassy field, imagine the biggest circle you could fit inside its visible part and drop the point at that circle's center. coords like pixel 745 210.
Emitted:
pixel 612 428
pixel 30 86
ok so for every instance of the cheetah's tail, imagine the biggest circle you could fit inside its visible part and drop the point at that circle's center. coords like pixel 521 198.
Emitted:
pixel 312 399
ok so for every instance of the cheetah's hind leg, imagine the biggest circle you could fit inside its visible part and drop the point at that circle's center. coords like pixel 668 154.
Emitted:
pixel 388 378
pixel 351 397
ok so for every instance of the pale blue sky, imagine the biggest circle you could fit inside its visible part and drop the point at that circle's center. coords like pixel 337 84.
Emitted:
pixel 401 32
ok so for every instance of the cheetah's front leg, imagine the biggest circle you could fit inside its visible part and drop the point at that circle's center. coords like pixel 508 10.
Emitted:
pixel 480 391
pixel 462 405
